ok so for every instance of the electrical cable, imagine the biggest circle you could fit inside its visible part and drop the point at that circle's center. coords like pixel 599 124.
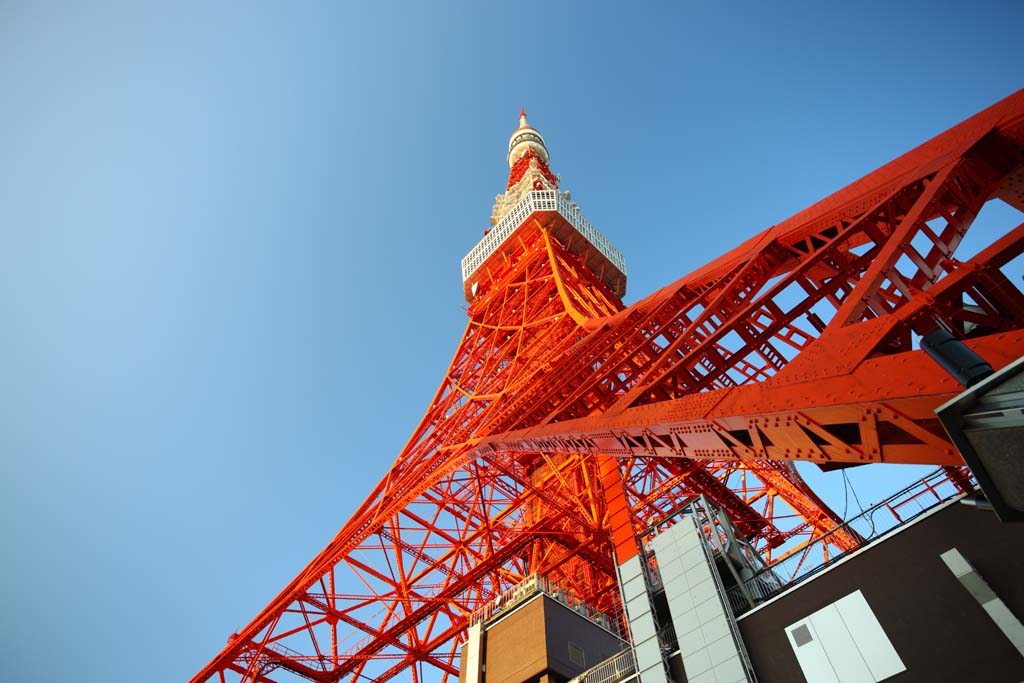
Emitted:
pixel 846 494
pixel 871 519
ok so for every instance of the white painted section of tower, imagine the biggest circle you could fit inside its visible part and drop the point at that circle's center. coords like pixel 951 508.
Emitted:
pixel 544 200
pixel 526 138
pixel 533 180
pixel 706 643
pixel 643 630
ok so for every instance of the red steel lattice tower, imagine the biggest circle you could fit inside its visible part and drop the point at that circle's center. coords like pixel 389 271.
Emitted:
pixel 568 423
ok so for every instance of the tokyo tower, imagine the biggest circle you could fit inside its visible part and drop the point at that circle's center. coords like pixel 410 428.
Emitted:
pixel 568 426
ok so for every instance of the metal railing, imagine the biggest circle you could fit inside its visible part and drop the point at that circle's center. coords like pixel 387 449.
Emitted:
pixel 615 668
pixel 873 523
pixel 668 641
pixel 536 584
pixel 539 200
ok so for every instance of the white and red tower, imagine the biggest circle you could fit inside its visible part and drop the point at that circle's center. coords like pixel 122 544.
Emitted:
pixel 567 425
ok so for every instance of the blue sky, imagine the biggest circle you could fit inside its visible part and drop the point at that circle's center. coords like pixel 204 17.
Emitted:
pixel 230 244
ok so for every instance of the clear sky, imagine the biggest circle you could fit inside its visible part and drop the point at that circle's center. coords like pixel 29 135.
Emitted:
pixel 230 238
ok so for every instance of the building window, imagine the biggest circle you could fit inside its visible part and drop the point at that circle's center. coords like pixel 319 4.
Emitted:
pixel 576 655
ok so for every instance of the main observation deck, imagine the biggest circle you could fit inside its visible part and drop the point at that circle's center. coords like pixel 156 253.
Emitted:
pixel 565 223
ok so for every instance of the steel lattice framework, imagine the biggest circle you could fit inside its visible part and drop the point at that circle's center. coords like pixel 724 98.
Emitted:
pixel 567 423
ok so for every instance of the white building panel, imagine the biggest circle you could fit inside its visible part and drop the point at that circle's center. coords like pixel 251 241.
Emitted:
pixel 844 643
pixel 874 646
pixel 474 642
pixel 698 614
pixel 649 664
pixel 810 653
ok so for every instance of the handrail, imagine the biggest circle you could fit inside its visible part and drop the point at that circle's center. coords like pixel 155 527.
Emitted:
pixel 615 668
pixel 539 200
pixel 536 584
pixel 873 523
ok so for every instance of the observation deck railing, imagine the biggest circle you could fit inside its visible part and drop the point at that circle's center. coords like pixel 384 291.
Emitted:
pixel 536 584
pixel 539 200
pixel 872 524
pixel 615 668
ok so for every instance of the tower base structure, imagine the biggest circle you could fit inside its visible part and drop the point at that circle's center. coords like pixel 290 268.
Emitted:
pixel 932 594
pixel 571 430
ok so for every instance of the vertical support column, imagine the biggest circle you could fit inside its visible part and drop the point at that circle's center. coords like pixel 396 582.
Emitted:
pixel 617 508
pixel 700 613
pixel 636 600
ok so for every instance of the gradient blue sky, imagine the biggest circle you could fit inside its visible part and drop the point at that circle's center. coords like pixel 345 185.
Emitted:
pixel 230 237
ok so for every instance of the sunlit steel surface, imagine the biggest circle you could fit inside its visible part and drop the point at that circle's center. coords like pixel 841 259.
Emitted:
pixel 568 424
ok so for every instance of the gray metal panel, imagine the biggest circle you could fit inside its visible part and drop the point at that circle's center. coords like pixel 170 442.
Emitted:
pixel 637 602
pixel 631 576
pixel 638 605
pixel 986 422
pixel 634 587
pixel 698 615
pixel 642 626
pixel 649 663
